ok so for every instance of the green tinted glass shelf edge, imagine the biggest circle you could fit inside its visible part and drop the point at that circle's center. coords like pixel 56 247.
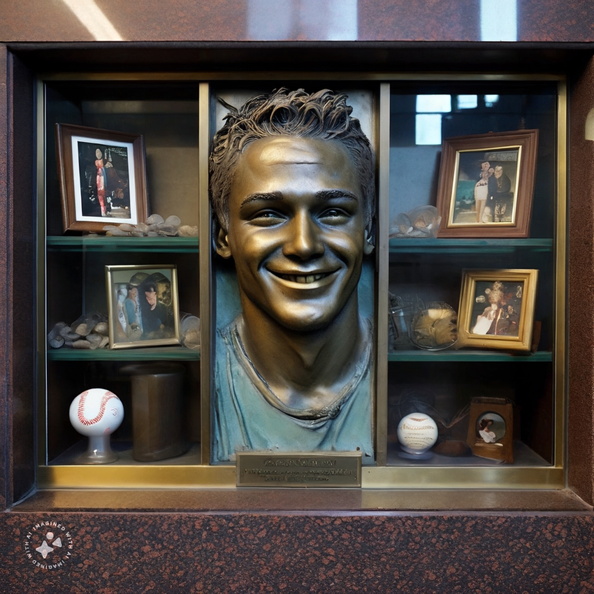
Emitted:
pixel 140 354
pixel 122 244
pixel 463 246
pixel 478 356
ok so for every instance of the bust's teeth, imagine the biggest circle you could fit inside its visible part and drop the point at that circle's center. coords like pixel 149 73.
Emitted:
pixel 302 279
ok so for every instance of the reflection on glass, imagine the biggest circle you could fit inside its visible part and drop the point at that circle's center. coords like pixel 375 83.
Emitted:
pixel 434 103
pixel 491 100
pixel 499 20
pixel 94 20
pixel 428 120
pixel 332 20
pixel 428 129
pixel 467 101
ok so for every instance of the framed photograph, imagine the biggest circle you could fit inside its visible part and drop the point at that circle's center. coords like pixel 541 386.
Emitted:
pixel 102 177
pixel 143 306
pixel 486 182
pixel 490 429
pixel 497 309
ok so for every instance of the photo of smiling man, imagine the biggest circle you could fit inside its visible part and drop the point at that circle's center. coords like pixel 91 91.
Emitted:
pixel 293 193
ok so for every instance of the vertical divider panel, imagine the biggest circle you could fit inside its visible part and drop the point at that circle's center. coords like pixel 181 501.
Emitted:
pixel 206 307
pixel 561 240
pixel 382 267
pixel 41 305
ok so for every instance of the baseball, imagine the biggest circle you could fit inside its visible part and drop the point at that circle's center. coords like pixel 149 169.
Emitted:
pixel 417 432
pixel 96 412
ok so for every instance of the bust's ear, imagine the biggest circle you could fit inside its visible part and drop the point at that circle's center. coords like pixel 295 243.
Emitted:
pixel 221 242
pixel 369 244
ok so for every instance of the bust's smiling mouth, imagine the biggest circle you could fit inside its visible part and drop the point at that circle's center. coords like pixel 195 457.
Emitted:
pixel 302 279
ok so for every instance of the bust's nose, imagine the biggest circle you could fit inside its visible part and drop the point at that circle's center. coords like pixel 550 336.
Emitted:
pixel 304 240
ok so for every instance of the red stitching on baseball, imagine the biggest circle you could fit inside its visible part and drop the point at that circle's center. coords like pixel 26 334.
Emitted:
pixel 81 405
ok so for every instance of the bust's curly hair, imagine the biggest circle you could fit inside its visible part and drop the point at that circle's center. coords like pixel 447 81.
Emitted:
pixel 323 114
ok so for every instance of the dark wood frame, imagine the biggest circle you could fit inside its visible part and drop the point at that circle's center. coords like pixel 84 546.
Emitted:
pixel 486 147
pixel 466 316
pixel 490 408
pixel 67 160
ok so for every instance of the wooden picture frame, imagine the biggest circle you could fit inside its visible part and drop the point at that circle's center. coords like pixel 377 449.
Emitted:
pixel 102 177
pixel 143 305
pixel 490 429
pixel 486 183
pixel 497 309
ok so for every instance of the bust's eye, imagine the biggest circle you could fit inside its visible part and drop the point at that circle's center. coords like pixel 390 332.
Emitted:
pixel 266 218
pixel 334 215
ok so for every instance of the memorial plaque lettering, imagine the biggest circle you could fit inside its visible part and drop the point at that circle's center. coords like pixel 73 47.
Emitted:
pixel 336 469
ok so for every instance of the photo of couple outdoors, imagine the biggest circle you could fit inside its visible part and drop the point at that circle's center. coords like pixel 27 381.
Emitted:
pixel 486 188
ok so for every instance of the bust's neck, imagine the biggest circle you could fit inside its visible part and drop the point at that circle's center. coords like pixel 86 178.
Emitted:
pixel 304 370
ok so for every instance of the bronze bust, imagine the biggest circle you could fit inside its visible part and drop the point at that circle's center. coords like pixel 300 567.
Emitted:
pixel 293 192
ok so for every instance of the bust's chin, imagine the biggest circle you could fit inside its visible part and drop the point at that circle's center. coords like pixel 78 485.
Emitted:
pixel 306 316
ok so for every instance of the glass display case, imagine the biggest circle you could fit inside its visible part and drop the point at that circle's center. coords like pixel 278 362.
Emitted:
pixel 407 119
pixel 424 271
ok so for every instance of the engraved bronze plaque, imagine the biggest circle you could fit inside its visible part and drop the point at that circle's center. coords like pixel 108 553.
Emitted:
pixel 319 469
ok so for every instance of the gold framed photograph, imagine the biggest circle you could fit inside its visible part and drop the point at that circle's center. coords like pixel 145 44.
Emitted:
pixel 143 305
pixel 497 309
pixel 102 177
pixel 486 183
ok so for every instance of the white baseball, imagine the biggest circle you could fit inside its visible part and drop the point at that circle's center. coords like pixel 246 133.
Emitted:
pixel 417 432
pixel 96 412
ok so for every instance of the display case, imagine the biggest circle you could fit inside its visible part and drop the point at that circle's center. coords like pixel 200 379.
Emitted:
pixel 177 116
pixel 442 379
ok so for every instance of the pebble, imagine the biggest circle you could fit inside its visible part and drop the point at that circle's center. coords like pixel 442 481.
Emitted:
pixel 154 226
pixel 88 331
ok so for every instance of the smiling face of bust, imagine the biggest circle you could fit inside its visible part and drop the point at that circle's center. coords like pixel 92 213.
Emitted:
pixel 296 230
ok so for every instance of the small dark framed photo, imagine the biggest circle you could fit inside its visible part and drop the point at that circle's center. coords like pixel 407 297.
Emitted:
pixel 486 183
pixel 490 428
pixel 102 177
pixel 143 306
pixel 497 309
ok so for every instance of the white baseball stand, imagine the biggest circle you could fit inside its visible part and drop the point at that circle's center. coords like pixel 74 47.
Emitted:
pixel 97 413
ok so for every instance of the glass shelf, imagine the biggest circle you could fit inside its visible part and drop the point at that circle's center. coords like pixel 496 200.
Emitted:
pixel 466 246
pixel 123 244
pixel 524 457
pixel 141 354
pixel 477 356
pixel 125 458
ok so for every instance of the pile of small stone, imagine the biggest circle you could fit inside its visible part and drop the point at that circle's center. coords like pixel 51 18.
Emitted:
pixel 154 226
pixel 419 222
pixel 89 331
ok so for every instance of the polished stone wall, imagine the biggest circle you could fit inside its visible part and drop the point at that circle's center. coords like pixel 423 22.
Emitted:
pixel 271 552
